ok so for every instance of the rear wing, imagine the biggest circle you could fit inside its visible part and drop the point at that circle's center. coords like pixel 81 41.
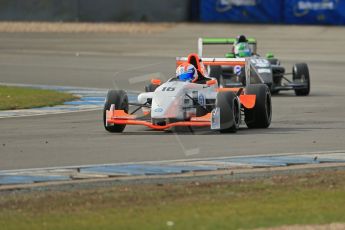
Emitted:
pixel 216 61
pixel 222 41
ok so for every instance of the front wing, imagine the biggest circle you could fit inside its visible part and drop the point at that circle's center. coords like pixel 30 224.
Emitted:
pixel 120 117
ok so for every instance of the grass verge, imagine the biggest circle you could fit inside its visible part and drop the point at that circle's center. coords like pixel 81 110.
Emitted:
pixel 25 98
pixel 282 200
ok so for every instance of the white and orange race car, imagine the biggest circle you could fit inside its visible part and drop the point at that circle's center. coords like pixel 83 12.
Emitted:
pixel 202 103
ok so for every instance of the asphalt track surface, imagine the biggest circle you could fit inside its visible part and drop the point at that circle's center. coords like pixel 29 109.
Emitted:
pixel 299 124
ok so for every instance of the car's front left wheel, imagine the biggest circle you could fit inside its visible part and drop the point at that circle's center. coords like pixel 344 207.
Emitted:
pixel 300 74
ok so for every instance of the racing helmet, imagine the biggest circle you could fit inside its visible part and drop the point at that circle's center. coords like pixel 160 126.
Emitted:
pixel 241 38
pixel 242 49
pixel 186 72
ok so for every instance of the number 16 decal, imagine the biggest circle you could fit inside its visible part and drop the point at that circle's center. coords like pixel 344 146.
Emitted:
pixel 168 89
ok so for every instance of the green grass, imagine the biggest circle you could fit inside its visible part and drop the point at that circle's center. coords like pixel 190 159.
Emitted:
pixel 25 98
pixel 309 199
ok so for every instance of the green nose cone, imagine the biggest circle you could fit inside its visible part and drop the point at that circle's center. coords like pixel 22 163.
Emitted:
pixel 269 55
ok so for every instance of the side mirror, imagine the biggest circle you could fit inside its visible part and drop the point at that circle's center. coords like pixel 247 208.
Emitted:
pixel 230 55
pixel 211 82
pixel 269 55
pixel 156 82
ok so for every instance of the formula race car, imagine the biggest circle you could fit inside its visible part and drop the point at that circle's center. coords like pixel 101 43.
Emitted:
pixel 199 103
pixel 269 68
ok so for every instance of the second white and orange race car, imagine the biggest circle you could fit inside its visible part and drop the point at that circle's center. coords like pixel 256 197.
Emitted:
pixel 199 104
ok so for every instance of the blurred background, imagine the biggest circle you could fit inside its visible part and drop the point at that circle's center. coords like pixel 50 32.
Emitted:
pixel 320 12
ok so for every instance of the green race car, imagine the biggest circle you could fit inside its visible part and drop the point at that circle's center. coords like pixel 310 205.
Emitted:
pixel 267 68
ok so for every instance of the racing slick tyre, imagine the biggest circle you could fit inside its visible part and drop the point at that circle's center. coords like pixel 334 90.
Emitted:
pixel 151 88
pixel 230 113
pixel 120 99
pixel 300 74
pixel 259 116
pixel 216 72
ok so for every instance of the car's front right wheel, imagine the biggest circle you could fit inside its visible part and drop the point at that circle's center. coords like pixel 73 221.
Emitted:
pixel 118 98
pixel 230 113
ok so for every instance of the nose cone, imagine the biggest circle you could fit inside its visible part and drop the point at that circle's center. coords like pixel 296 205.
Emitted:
pixel 164 108
pixel 167 100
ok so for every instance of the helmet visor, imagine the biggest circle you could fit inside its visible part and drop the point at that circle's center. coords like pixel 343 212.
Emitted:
pixel 186 76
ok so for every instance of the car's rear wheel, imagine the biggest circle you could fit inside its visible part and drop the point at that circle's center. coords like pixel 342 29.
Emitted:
pixel 300 74
pixel 230 114
pixel 118 98
pixel 260 116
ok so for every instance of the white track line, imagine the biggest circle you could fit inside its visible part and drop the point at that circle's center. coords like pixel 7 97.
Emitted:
pixel 170 161
pixel 47 114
